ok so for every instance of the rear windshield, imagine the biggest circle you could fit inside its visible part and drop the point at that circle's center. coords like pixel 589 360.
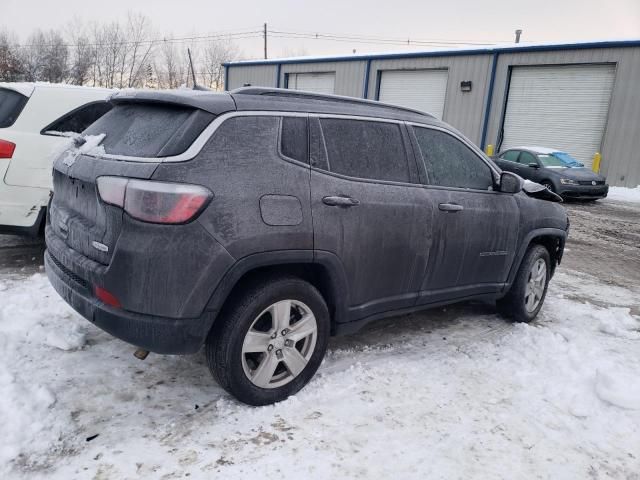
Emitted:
pixel 11 104
pixel 149 130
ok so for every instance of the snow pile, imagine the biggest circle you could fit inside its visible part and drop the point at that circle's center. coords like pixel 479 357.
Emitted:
pixel 453 393
pixel 623 194
pixel 90 146
pixel 33 324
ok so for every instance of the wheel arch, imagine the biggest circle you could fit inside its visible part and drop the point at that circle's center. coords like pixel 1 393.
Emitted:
pixel 553 239
pixel 323 270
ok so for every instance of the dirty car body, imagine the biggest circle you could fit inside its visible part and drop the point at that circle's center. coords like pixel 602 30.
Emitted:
pixel 155 238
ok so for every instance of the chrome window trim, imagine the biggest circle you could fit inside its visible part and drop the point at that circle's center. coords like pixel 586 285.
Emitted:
pixel 199 143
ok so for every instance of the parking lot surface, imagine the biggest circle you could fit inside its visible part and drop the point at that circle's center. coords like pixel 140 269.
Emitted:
pixel 455 392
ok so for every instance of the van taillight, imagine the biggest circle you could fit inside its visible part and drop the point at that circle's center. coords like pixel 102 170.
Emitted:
pixel 6 149
pixel 154 202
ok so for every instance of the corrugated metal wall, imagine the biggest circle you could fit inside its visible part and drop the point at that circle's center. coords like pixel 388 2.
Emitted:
pixel 466 111
pixel 621 143
pixel 256 75
pixel 463 110
pixel 349 75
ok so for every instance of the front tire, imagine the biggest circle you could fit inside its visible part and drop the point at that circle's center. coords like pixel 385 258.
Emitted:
pixel 269 342
pixel 548 185
pixel 526 296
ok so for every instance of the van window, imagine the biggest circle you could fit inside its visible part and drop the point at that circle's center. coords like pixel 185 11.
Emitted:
pixel 294 139
pixel 79 119
pixel 365 149
pixel 450 163
pixel 11 104
pixel 149 130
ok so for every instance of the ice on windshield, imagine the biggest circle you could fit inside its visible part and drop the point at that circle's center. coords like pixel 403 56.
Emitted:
pixel 559 159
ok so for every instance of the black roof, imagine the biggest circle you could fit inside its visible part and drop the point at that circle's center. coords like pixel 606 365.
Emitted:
pixel 273 99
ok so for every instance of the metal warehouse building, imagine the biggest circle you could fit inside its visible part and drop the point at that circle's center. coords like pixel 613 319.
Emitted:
pixel 582 98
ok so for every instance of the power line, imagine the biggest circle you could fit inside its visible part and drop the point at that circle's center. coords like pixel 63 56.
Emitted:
pixel 257 32
pixel 379 40
pixel 195 38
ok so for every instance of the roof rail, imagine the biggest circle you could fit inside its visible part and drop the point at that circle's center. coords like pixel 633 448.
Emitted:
pixel 286 92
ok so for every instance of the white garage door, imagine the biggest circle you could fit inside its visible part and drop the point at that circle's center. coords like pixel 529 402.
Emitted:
pixel 313 82
pixel 563 107
pixel 420 89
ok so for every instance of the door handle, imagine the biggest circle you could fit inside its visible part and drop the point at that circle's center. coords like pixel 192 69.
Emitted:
pixel 450 207
pixel 340 201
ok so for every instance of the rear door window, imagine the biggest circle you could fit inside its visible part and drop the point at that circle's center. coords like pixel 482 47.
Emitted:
pixel 149 130
pixel 294 138
pixel 450 163
pixel 11 104
pixel 365 149
pixel 79 119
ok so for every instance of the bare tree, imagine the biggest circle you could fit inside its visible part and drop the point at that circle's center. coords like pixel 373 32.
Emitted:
pixel 170 65
pixel 9 61
pixel 54 57
pixel 216 52
pixel 139 48
pixel 31 56
pixel 81 53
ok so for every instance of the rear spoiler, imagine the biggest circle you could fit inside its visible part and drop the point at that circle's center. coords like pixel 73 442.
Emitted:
pixel 215 103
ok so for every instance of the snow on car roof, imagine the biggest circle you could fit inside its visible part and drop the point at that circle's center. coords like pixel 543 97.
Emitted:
pixel 27 88
pixel 543 150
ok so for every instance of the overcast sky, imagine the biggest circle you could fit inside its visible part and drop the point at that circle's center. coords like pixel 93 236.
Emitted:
pixel 466 20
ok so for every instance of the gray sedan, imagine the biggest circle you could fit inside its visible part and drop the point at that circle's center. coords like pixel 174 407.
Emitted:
pixel 554 169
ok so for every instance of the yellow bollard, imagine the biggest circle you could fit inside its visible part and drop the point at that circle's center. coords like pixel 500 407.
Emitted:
pixel 595 166
pixel 489 150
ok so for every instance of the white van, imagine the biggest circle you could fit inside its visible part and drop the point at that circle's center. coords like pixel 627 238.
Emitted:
pixel 33 117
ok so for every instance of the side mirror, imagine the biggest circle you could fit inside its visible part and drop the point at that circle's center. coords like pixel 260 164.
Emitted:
pixel 510 182
pixel 534 165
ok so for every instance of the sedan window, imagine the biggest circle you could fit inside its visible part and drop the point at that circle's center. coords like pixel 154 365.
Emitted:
pixel 511 155
pixel 526 158
pixel 551 161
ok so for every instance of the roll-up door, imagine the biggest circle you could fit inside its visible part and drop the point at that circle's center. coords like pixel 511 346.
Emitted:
pixel 563 107
pixel 313 82
pixel 423 90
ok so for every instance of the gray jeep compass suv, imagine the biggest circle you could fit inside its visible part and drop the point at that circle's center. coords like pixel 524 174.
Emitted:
pixel 260 222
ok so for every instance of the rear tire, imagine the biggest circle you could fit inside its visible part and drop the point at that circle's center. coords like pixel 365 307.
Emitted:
pixel 270 340
pixel 526 296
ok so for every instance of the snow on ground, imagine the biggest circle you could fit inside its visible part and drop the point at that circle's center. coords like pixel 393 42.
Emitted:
pixel 452 393
pixel 623 194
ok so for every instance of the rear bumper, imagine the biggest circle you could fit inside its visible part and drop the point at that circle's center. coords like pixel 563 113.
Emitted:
pixel 583 192
pixel 153 333
pixel 31 231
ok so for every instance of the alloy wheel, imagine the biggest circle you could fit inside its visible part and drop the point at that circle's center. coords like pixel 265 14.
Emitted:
pixel 536 282
pixel 279 344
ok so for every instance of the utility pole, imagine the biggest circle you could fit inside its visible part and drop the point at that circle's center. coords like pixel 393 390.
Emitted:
pixel 265 41
pixel 518 33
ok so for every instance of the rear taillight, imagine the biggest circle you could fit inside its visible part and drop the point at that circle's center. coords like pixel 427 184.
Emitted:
pixel 6 149
pixel 154 202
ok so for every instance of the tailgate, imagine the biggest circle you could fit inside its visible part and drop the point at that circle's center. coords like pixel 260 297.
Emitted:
pixel 77 215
